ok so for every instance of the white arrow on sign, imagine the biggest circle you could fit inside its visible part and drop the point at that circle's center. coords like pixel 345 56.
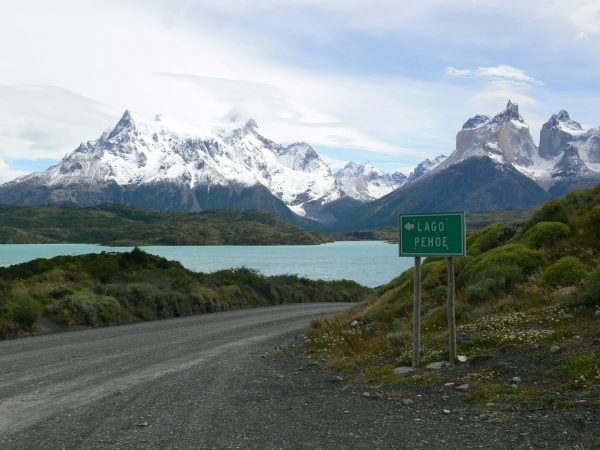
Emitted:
pixel 409 226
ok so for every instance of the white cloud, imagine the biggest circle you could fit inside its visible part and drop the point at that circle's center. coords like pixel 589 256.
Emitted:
pixel 7 173
pixel 454 72
pixel 46 122
pixel 507 74
pixel 586 19
pixel 78 64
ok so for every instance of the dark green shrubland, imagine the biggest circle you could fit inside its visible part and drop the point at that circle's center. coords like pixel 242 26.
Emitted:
pixel 116 288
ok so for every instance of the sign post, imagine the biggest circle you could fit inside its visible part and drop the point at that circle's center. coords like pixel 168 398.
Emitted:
pixel 433 235
pixel 416 357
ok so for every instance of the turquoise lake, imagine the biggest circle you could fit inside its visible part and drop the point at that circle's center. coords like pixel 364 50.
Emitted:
pixel 370 263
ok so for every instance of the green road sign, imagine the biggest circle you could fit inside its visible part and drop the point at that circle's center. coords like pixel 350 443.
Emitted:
pixel 432 234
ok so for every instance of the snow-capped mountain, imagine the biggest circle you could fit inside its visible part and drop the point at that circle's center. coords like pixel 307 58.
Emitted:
pixel 364 182
pixel 505 138
pixel 567 155
pixel 426 166
pixel 495 165
pixel 146 153
pixel 168 165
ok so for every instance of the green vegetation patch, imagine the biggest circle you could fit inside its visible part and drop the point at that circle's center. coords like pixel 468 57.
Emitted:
pixel 567 271
pixel 126 226
pixel 115 288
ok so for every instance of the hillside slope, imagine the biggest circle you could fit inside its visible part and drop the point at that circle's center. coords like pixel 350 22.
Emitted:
pixel 528 314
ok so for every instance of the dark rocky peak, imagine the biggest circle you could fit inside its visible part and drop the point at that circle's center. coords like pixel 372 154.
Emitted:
pixel 476 121
pixel 510 113
pixel 398 177
pixel 557 134
pixel 251 125
pixel 124 124
pixel 351 166
pixel 570 165
pixel 425 166
pixel 562 117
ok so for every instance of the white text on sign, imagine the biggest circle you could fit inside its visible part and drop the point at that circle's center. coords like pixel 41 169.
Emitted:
pixel 425 242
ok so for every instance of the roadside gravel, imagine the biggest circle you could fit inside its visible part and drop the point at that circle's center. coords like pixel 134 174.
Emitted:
pixel 237 380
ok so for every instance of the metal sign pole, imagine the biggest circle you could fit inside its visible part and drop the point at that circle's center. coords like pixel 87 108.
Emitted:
pixel 417 314
pixel 451 313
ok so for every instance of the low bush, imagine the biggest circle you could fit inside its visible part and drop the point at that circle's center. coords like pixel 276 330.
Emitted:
pixel 489 237
pixel 491 281
pixel 590 294
pixel 567 271
pixel 545 234
pixel 86 308
pixel 27 313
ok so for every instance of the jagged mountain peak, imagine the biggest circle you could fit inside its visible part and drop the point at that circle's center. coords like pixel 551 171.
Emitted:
pixel 425 166
pixel 125 123
pixel 510 113
pixel 563 121
pixel 360 168
pixel 476 121
pixel 562 115
pixel 365 182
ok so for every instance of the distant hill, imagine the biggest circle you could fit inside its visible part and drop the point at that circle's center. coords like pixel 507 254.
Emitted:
pixel 124 225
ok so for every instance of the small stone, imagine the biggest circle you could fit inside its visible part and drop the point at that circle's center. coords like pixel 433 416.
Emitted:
pixel 407 402
pixel 461 358
pixel 366 394
pixel 516 379
pixel 445 397
pixel 281 376
pixel 554 349
pixel 462 387
pixel 402 370
pixel 577 338
pixel 514 386
pixel 597 314
pixel 449 384
pixel 142 424
pixel 354 323
pixel 437 365
pixel 581 401
pixel 446 411
pixel 490 404
pixel 419 395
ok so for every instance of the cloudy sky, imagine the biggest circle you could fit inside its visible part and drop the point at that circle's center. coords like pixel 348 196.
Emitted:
pixel 390 81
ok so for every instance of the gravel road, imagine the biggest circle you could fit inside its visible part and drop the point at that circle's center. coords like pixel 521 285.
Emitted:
pixel 232 380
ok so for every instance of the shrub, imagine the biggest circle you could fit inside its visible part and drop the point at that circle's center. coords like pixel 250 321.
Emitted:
pixel 552 211
pixel 545 234
pixel 492 281
pixel 86 308
pixel 26 314
pixel 517 256
pixel 590 294
pixel 499 270
pixel 489 237
pixel 567 271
